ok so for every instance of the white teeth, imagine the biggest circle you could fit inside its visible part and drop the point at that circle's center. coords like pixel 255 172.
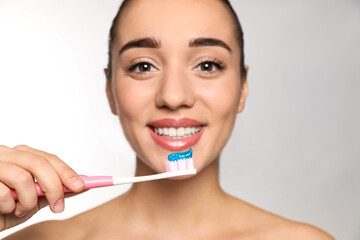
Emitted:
pixel 180 132
pixel 177 133
pixel 166 131
pixel 172 132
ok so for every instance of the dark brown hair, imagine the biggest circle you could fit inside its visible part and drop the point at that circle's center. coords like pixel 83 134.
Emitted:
pixel 237 29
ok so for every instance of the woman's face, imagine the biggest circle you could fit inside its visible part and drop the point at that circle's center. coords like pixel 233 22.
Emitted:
pixel 176 79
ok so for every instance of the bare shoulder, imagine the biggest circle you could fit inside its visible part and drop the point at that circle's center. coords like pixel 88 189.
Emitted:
pixel 306 231
pixel 282 228
pixel 266 225
pixel 77 227
pixel 44 230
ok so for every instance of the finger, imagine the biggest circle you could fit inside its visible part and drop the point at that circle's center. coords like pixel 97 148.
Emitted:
pixel 11 220
pixel 42 202
pixel 45 174
pixel 67 175
pixel 72 194
pixel 7 202
pixel 4 149
pixel 17 178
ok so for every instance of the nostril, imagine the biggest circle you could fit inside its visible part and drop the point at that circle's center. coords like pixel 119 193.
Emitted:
pixel 174 89
pixel 172 100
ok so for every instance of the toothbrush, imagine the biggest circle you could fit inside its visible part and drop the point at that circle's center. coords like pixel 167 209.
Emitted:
pixel 178 164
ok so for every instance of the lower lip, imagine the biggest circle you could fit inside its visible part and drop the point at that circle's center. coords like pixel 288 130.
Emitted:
pixel 176 144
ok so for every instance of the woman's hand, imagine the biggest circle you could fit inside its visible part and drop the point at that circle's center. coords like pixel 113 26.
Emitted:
pixel 18 168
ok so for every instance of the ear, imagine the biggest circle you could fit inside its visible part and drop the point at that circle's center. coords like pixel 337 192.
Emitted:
pixel 109 92
pixel 244 91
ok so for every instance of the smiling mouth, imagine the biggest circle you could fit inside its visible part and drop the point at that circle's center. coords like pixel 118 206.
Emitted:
pixel 176 133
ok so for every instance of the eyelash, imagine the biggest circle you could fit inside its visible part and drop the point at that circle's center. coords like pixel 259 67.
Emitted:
pixel 220 65
pixel 135 63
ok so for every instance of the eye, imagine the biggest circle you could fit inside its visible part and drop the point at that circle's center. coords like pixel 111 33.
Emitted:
pixel 210 66
pixel 206 66
pixel 142 67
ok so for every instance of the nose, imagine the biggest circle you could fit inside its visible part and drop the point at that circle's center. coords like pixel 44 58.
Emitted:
pixel 175 90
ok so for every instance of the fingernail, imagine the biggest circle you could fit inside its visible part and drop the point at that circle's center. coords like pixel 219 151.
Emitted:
pixel 59 206
pixel 77 182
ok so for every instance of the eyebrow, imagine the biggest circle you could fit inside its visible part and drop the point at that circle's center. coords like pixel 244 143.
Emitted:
pixel 147 42
pixel 204 42
pixel 150 42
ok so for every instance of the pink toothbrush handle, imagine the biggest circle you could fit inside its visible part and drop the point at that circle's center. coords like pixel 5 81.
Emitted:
pixel 90 182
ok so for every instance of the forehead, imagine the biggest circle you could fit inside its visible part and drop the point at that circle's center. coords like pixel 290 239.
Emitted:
pixel 175 21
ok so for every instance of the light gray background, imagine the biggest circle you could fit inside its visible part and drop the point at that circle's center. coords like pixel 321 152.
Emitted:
pixel 294 151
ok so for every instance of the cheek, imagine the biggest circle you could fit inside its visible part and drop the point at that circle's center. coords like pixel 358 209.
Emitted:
pixel 133 99
pixel 221 98
pixel 134 105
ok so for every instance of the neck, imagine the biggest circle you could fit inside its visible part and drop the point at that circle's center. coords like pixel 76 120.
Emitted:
pixel 189 201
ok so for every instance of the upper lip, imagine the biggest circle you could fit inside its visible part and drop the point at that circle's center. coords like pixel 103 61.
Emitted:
pixel 175 123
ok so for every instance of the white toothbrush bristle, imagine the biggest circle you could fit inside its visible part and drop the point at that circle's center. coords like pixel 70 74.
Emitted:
pixel 182 164
pixel 180 161
pixel 190 163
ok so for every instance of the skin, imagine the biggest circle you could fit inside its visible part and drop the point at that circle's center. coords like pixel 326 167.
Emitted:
pixel 189 208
